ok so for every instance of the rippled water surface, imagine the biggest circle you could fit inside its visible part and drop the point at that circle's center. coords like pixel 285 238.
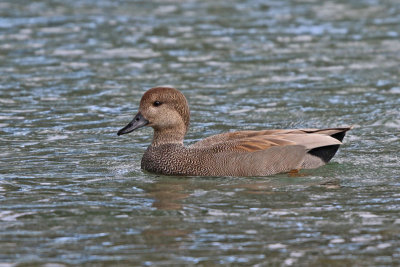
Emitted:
pixel 72 74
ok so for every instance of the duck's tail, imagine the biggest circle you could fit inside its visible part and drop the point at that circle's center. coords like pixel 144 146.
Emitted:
pixel 321 155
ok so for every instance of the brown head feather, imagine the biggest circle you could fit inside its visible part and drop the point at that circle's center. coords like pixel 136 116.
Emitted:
pixel 174 99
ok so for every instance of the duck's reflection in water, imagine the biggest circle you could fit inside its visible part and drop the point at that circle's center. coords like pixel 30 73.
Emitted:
pixel 168 194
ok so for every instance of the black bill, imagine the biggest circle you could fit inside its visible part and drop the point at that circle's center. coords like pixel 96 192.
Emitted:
pixel 137 122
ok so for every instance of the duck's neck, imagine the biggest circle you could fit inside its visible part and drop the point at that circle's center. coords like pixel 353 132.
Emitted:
pixel 168 136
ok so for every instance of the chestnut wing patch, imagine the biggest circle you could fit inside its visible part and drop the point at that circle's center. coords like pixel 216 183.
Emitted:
pixel 259 143
pixel 251 144
pixel 240 137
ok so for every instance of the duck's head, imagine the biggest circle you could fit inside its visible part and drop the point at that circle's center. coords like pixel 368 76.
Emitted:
pixel 164 109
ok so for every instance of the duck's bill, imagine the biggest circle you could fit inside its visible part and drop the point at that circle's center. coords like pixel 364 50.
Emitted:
pixel 137 122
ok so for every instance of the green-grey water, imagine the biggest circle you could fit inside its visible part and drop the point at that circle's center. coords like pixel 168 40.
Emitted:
pixel 72 74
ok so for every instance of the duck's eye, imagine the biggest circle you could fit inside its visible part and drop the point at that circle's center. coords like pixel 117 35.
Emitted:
pixel 157 103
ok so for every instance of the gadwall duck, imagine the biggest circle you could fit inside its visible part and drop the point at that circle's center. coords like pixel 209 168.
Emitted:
pixel 242 153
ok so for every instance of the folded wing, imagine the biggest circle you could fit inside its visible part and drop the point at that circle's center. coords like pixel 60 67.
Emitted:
pixel 276 150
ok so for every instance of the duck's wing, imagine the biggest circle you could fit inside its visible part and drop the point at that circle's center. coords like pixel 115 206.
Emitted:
pixel 268 152
pixel 336 133
pixel 264 142
pixel 231 136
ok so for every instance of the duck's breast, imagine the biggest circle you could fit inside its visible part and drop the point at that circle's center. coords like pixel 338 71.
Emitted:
pixel 174 159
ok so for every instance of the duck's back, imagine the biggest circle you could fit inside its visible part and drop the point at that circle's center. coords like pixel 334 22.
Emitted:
pixel 336 133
